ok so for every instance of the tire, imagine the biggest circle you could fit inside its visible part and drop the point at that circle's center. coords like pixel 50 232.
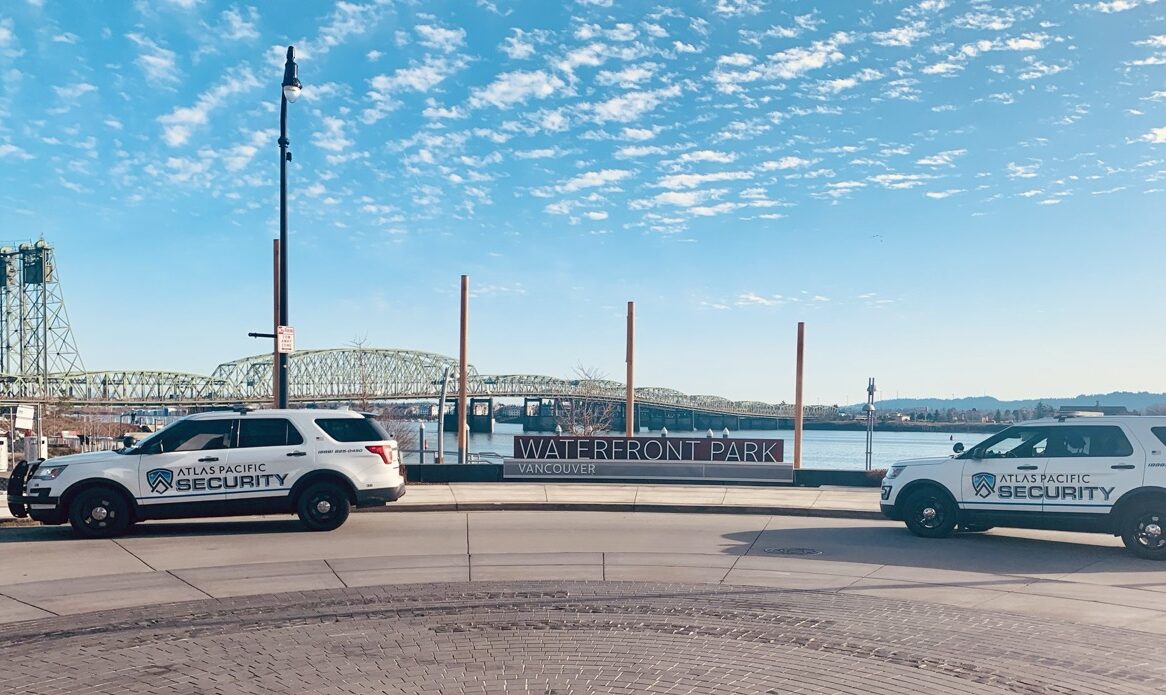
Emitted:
pixel 974 528
pixel 323 506
pixel 929 513
pixel 99 512
pixel 1143 529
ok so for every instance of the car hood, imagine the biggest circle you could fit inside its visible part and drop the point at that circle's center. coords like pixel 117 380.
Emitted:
pixel 90 457
pixel 924 462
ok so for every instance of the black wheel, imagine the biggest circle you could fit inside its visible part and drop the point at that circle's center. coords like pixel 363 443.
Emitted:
pixel 323 506
pixel 929 513
pixel 100 512
pixel 1144 530
pixel 974 528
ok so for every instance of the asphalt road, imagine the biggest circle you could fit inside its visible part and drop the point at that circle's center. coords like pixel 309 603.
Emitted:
pixel 563 602
pixel 1083 578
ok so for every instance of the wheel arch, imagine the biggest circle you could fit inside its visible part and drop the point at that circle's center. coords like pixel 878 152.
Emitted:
pixel 71 492
pixel 916 485
pixel 320 476
pixel 1126 502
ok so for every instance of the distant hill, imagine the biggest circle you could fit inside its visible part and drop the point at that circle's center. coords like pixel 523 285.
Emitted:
pixel 1133 401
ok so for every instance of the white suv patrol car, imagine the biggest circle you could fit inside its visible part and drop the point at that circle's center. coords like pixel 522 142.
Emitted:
pixel 1100 474
pixel 314 463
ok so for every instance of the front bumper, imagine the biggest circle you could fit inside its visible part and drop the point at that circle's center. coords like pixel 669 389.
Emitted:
pixel 34 499
pixel 379 496
pixel 889 512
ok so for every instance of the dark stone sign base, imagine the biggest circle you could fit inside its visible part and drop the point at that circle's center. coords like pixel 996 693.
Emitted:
pixel 585 469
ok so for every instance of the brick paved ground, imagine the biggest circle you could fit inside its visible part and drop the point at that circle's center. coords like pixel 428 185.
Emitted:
pixel 570 637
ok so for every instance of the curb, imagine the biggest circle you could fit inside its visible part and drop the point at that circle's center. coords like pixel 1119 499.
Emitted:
pixel 625 507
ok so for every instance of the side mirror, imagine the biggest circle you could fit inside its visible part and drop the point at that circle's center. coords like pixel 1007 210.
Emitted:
pixel 128 441
pixel 958 448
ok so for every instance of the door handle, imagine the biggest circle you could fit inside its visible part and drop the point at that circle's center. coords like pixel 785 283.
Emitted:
pixel 208 459
pixel 1026 468
pixel 298 453
pixel 1123 466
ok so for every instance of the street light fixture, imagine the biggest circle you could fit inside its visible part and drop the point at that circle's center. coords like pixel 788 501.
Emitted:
pixel 291 92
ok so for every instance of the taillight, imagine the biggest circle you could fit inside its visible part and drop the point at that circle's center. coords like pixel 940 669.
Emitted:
pixel 379 450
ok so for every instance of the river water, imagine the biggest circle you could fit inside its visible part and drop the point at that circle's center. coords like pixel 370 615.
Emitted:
pixel 820 448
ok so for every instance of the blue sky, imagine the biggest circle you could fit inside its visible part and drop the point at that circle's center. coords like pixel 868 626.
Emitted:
pixel 958 198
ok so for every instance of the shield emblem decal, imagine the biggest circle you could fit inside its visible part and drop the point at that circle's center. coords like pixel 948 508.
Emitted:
pixel 984 483
pixel 160 480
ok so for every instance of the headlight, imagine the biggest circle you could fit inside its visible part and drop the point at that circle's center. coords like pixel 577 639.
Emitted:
pixel 48 472
pixel 895 471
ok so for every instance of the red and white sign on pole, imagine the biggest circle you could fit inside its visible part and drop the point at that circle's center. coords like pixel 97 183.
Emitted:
pixel 285 340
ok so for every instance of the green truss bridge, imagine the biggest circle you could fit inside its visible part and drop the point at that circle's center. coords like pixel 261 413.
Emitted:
pixel 350 375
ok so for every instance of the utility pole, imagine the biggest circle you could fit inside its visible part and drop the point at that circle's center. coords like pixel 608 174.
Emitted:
pixel 463 378
pixel 630 407
pixel 291 91
pixel 869 412
pixel 275 380
pixel 798 405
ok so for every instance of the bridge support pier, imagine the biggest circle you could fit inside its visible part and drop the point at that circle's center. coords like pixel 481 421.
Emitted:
pixel 540 414
pixel 480 418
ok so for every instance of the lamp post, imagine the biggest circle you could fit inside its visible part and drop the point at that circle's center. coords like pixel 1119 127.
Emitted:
pixel 291 92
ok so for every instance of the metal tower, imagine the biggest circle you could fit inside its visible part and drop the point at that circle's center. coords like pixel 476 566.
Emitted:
pixel 35 337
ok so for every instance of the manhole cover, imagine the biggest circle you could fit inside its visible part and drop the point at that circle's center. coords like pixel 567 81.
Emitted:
pixel 793 551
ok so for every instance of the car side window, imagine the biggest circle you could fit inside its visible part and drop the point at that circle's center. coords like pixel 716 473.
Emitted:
pixel 1017 442
pixel 1090 441
pixel 351 429
pixel 190 435
pixel 254 432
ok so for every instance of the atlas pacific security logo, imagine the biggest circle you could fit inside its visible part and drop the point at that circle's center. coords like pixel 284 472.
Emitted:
pixel 984 484
pixel 160 480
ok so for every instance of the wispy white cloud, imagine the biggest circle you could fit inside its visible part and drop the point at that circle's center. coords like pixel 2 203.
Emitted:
pixel 795 62
pixel 159 64
pixel 789 162
pixel 680 181
pixel 1156 136
pixel 179 124
pixel 516 87
pixel 72 91
pixel 416 78
pixel 754 299
pixel 239 25
pixel 942 159
pixel 1112 6
pixel 708 156
pixel 440 38
pixel 333 137
pixel 904 36
pixel 732 8
pixel 631 105
pixel 594 179
pixel 8 150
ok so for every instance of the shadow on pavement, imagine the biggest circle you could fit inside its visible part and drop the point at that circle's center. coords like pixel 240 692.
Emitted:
pixel 996 551
pixel 156 529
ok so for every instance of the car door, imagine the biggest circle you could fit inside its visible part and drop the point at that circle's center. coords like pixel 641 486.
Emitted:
pixel 997 473
pixel 178 463
pixel 1090 467
pixel 266 458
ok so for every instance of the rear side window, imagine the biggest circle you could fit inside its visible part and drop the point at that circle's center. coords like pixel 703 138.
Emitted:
pixel 1160 433
pixel 255 432
pixel 1088 440
pixel 351 429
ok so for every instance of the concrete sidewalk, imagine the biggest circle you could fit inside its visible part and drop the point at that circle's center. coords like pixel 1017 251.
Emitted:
pixel 853 503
